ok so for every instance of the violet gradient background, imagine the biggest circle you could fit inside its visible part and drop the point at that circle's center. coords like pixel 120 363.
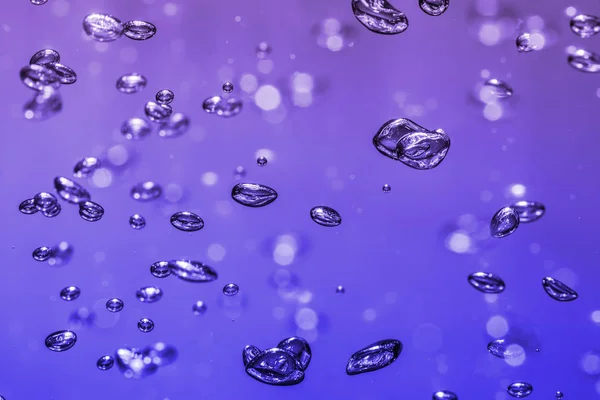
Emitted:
pixel 389 253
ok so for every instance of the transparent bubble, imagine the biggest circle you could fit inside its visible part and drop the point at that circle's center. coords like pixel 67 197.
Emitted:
pixel 70 293
pixel 37 77
pixel 137 222
pixel 61 341
pixel 231 289
pixel 262 161
pixel 145 325
pixel 139 30
pixel 379 16
pixel 149 294
pixel 105 363
pixel 228 87
pixel 386 188
pixel 65 74
pixel 90 211
pixel 165 96
pixel 114 305
pixel 136 129
pixel 325 216
pixel 102 27
pixel 131 83
pixel 157 112
pixel 146 191
pixel 187 221
pixel 160 269
pixel 42 253
pixel 340 290
pixel 46 56
pixel 28 207
pixel 86 166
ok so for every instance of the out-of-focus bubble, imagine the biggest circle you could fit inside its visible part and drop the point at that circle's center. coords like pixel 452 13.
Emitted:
pixel 248 83
pixel 333 35
pixel 44 104
pixel 306 319
pixel 233 306
pixel 497 326
pixel 491 24
pixel 267 98
pixel 81 318
pixel 467 235
pixel 590 363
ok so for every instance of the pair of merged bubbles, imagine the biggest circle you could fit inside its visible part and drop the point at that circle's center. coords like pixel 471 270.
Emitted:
pixel 490 283
pixel 187 270
pixel 380 16
pixel 106 28
pixel 417 147
pixel 506 220
pixel 45 74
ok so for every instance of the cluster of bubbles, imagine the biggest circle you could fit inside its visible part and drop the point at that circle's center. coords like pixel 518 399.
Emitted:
pixel 171 125
pixel 400 140
pixel 283 365
pixel 223 106
pixel 584 26
pixel 45 74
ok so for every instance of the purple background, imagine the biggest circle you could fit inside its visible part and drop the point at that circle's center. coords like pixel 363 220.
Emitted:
pixel 390 252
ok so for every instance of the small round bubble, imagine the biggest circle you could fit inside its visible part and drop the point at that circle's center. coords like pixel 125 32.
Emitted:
pixel 165 96
pixel 114 305
pixel 105 363
pixel 228 87
pixel 38 2
pixel 262 161
pixel 340 290
pixel 231 289
pixel 70 293
pixel 559 395
pixel 145 325
pixel 386 188
pixel 137 222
